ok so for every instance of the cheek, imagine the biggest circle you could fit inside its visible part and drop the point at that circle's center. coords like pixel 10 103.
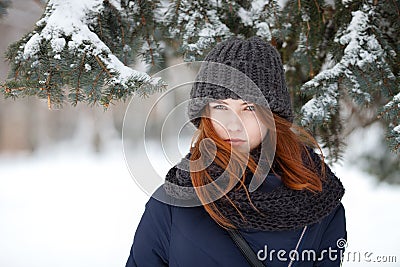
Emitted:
pixel 218 127
pixel 255 130
pixel 218 122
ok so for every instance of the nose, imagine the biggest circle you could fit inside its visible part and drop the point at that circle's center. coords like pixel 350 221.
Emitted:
pixel 234 123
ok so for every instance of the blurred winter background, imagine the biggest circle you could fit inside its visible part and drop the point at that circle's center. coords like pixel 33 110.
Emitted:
pixel 67 197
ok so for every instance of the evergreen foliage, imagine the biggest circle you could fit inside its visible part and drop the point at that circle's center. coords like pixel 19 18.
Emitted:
pixel 341 56
pixel 3 7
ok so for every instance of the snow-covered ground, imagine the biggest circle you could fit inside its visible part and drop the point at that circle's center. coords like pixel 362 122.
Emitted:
pixel 67 206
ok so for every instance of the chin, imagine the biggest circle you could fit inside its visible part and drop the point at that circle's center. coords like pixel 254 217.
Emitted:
pixel 242 149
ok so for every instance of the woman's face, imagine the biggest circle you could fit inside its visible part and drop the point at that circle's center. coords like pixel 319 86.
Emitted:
pixel 236 121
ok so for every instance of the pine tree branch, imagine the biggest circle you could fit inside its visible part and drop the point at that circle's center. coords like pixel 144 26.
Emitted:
pixel 79 79
pixel 96 80
pixel 100 26
pixel 103 67
pixel 397 7
pixel 143 21
pixel 311 73
pixel 64 35
pixel 16 73
pixel 328 47
pixel 388 109
pixel 47 88
pixel 4 4
pixel 397 147
pixel 122 37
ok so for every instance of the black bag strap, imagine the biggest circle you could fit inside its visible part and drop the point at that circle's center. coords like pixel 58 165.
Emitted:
pixel 244 247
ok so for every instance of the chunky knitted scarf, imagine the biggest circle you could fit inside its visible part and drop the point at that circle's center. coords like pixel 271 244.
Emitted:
pixel 281 209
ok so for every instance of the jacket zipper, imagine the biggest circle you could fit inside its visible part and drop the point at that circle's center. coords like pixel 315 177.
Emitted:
pixel 298 243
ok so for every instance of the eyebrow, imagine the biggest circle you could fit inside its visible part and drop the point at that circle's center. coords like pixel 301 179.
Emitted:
pixel 223 102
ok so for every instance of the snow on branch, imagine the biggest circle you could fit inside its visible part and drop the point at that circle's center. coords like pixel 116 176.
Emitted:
pixel 67 44
pixel 319 109
pixel 255 17
pixel 362 52
pixel 69 18
pixel 199 26
pixel 391 112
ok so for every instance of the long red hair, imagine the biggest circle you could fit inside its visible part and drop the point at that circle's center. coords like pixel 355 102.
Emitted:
pixel 291 142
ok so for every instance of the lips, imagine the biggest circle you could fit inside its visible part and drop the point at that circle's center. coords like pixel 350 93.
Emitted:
pixel 235 141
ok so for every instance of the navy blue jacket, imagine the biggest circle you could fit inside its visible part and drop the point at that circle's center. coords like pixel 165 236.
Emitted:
pixel 187 236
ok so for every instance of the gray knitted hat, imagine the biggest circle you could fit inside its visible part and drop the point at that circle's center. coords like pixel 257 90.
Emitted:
pixel 248 69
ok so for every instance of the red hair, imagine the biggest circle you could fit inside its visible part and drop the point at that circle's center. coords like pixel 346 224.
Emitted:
pixel 291 142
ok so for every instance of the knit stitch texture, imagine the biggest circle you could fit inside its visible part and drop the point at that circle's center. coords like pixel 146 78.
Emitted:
pixel 281 209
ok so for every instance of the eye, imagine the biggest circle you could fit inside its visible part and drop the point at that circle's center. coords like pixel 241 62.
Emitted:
pixel 219 107
pixel 251 108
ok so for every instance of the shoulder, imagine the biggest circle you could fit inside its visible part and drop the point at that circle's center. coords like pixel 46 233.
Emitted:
pixel 338 212
pixel 335 222
pixel 159 202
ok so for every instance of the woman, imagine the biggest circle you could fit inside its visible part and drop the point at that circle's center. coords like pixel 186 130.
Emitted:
pixel 249 169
